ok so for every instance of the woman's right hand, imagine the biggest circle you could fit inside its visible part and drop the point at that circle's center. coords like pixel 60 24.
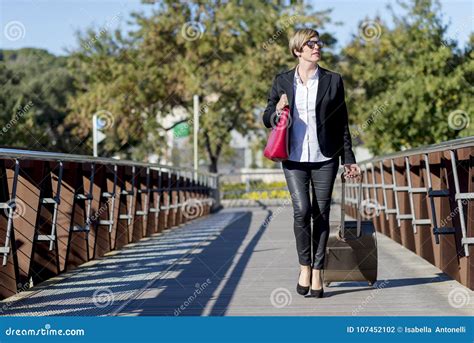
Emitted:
pixel 282 103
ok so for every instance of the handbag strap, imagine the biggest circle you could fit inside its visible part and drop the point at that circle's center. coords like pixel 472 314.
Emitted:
pixel 285 111
pixel 343 211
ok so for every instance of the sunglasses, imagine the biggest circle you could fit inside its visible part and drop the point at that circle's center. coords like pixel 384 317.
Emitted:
pixel 312 43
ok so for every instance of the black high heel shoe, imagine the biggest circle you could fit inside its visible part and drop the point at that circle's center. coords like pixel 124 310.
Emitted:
pixel 316 293
pixel 302 290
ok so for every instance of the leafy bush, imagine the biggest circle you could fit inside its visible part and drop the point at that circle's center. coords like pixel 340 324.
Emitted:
pixel 258 190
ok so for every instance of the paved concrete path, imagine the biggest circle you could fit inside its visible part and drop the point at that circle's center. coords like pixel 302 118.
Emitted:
pixel 239 261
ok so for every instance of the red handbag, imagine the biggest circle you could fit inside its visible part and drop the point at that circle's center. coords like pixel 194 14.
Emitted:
pixel 277 143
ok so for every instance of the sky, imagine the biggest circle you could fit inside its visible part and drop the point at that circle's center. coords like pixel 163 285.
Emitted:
pixel 51 24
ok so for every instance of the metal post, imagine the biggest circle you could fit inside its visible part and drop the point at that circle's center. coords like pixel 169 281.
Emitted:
pixel 94 134
pixel 196 131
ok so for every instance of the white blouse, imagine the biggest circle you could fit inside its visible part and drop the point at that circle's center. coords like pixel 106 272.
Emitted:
pixel 304 140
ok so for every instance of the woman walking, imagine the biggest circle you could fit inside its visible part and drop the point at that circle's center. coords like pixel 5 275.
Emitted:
pixel 318 135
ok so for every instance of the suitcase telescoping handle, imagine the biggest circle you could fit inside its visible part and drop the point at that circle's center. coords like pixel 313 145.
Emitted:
pixel 343 211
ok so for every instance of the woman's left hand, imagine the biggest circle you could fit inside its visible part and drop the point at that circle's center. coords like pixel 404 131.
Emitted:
pixel 351 170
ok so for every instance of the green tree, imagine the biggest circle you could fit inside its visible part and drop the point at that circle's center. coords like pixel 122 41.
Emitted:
pixel 408 85
pixel 225 52
pixel 33 100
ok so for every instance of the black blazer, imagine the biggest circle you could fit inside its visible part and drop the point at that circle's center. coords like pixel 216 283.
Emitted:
pixel 331 112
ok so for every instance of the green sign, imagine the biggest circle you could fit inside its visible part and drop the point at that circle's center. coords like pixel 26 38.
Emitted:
pixel 181 130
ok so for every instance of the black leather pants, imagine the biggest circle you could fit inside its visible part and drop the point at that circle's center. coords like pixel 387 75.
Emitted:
pixel 321 176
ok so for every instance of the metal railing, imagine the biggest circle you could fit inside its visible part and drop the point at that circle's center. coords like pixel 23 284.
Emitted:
pixel 422 198
pixel 61 210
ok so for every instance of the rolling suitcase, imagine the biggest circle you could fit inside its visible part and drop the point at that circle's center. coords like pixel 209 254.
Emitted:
pixel 351 250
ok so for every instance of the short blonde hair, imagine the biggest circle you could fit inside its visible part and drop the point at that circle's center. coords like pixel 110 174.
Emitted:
pixel 300 37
